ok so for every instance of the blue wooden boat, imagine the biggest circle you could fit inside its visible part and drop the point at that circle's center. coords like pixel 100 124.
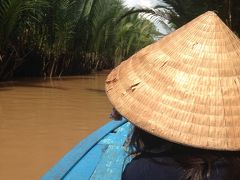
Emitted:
pixel 102 155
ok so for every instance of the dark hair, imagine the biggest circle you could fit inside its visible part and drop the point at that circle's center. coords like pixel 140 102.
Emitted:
pixel 115 115
pixel 198 164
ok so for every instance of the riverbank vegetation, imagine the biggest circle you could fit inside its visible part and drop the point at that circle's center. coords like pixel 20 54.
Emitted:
pixel 58 37
pixel 65 37
pixel 172 14
pixel 184 11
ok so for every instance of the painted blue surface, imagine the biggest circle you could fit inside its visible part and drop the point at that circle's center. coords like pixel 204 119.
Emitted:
pixel 111 165
pixel 117 137
pixel 88 163
pixel 100 156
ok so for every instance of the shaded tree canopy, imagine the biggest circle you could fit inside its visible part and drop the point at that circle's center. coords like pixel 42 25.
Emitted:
pixel 59 37
pixel 185 11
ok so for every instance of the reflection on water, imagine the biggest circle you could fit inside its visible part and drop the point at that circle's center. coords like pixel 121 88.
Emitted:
pixel 42 120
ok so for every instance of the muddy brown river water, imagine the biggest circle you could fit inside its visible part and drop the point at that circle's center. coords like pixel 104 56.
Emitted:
pixel 41 120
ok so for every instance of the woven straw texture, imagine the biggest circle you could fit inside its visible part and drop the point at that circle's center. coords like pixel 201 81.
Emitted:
pixel 185 87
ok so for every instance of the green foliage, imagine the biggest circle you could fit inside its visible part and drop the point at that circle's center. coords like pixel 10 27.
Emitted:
pixel 68 36
pixel 16 18
pixel 185 11
pixel 172 14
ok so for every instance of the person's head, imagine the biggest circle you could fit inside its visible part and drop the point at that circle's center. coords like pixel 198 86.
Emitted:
pixel 184 88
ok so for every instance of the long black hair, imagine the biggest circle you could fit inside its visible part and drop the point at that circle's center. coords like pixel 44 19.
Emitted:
pixel 197 164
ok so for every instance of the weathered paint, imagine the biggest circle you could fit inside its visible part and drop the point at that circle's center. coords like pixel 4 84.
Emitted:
pixel 118 136
pixel 111 165
pixel 100 155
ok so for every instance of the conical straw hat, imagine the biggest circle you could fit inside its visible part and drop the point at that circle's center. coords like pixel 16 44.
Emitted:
pixel 185 87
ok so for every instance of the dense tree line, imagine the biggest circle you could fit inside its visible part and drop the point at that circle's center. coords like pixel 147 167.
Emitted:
pixel 228 10
pixel 58 37
pixel 176 13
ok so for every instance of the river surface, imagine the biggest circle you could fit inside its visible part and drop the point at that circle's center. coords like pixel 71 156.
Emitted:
pixel 41 120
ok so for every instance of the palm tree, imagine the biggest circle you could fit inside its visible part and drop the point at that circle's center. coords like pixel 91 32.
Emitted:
pixel 175 13
pixel 68 36
pixel 16 18
pixel 228 10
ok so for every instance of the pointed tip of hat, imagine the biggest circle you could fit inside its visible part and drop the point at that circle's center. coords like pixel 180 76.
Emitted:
pixel 210 13
pixel 211 16
pixel 207 25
